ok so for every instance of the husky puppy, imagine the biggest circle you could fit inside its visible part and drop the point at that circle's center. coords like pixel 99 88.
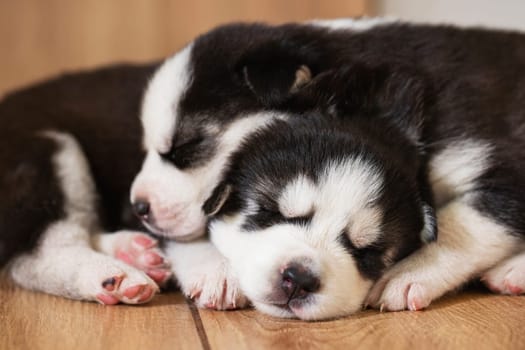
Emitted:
pixel 317 212
pixel 69 147
pixel 204 101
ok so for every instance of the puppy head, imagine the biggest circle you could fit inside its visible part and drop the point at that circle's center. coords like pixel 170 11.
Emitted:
pixel 205 100
pixel 318 208
pixel 313 218
pixel 199 106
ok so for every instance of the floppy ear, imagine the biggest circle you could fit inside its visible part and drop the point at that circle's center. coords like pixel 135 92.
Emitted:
pixel 392 93
pixel 275 71
pixel 217 199
pixel 274 84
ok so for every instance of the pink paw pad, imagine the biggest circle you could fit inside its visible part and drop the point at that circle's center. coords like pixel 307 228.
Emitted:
pixel 132 292
pixel 152 258
pixel 144 242
pixel 106 299
pixel 140 251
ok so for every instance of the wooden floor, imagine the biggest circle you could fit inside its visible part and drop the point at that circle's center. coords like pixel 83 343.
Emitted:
pixel 470 320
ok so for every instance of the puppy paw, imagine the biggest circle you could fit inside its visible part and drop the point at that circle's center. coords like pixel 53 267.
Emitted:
pixel 399 293
pixel 110 281
pixel 214 289
pixel 138 250
pixel 507 278
pixel 114 291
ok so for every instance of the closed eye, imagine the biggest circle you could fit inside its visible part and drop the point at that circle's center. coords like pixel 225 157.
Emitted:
pixel 266 217
pixel 302 220
pixel 280 217
pixel 183 154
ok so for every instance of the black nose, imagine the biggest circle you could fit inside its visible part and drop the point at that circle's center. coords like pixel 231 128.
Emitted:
pixel 141 208
pixel 298 282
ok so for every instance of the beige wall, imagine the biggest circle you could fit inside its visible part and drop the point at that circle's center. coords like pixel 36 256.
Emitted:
pixel 492 13
pixel 39 38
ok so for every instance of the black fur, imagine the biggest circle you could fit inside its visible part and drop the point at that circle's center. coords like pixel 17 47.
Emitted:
pixel 274 156
pixel 474 88
pixel 101 110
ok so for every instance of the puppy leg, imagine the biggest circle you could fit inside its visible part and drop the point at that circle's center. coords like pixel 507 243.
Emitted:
pixel 205 276
pixel 63 262
pixel 136 249
pixel 508 277
pixel 468 244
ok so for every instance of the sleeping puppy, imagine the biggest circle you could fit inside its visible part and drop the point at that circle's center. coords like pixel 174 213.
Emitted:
pixel 316 212
pixel 204 101
pixel 70 147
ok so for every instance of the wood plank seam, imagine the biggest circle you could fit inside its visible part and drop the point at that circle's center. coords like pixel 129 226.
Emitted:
pixel 199 326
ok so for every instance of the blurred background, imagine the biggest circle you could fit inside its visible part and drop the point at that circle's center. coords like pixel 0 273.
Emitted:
pixel 41 38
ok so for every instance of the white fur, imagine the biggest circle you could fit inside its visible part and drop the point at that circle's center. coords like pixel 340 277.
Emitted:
pixel 346 198
pixel 356 24
pixel 344 192
pixel 298 197
pixel 161 99
pixel 454 170
pixel 75 178
pixel 204 275
pixel 176 196
pixel 64 263
pixel 468 244
pixel 508 277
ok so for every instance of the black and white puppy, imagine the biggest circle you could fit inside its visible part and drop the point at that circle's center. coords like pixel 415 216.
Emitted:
pixel 318 210
pixel 204 101
pixel 62 149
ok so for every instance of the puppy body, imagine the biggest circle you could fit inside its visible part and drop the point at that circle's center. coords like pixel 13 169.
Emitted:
pixel 69 150
pixel 203 102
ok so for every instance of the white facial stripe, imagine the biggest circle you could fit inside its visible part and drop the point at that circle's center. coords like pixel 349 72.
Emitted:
pixel 343 199
pixel 356 24
pixel 298 198
pixel 301 197
pixel 211 173
pixel 346 191
pixel 364 227
pixel 161 100
pixel 454 170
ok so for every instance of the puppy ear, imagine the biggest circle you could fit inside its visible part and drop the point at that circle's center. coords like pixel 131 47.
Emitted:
pixel 275 70
pixel 217 199
pixel 273 83
pixel 392 93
